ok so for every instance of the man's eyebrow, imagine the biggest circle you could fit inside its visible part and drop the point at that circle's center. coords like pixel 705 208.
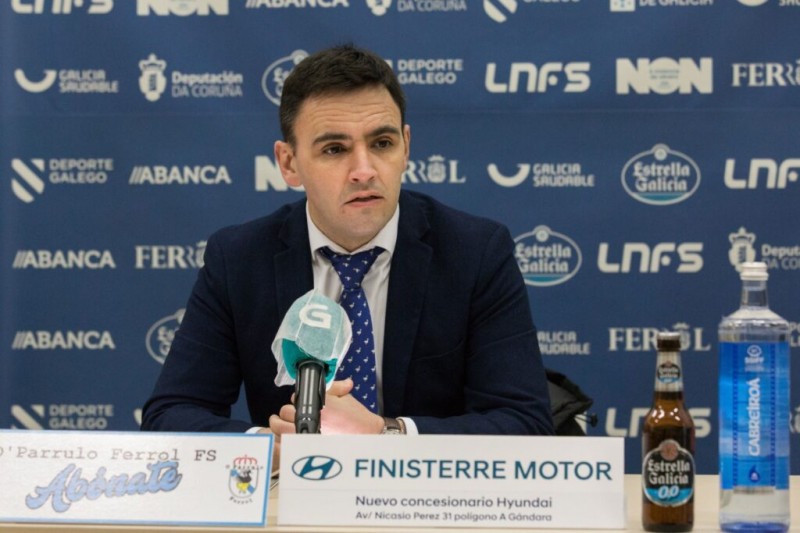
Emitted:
pixel 383 130
pixel 377 132
pixel 332 136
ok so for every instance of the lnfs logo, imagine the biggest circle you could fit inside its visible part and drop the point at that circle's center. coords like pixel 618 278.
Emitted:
pixel 652 258
pixel 60 7
pixel 661 176
pixel 546 257
pixel 317 468
pixel 276 74
pixel 573 77
pixel 665 75
pixel 776 174
pixel 161 334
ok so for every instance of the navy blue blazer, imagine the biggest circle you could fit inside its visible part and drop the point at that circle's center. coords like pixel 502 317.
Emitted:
pixel 460 349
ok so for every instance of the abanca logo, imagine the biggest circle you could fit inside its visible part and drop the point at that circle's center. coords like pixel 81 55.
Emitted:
pixel 661 176
pixel 546 257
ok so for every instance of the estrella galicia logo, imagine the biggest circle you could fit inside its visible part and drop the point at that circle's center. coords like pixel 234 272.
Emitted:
pixel 661 176
pixel 276 74
pixel 161 334
pixel 317 468
pixel 546 257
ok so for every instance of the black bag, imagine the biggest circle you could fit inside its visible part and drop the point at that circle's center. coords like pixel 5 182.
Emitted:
pixel 568 404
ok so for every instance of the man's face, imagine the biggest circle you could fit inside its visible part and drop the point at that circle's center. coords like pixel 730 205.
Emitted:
pixel 349 153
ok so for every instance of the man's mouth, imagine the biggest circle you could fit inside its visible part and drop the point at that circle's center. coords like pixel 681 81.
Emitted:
pixel 364 199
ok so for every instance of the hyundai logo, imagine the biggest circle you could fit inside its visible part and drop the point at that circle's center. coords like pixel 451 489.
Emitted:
pixel 317 467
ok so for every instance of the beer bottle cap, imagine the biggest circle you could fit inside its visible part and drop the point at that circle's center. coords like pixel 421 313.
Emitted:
pixel 668 341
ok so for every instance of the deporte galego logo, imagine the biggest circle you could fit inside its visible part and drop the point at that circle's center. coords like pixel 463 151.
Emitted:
pixel 317 467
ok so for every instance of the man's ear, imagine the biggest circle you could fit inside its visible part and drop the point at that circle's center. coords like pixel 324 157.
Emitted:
pixel 284 158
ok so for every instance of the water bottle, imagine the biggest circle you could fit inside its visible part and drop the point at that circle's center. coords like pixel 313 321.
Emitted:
pixel 754 412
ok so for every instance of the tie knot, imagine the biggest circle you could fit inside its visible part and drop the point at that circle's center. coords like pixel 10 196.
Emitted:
pixel 352 268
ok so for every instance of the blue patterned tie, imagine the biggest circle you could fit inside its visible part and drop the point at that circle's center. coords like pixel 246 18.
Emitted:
pixel 359 363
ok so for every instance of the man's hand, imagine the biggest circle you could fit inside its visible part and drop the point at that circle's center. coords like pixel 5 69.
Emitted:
pixel 276 450
pixel 342 414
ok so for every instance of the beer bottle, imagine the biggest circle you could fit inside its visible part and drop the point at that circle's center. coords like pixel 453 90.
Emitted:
pixel 668 446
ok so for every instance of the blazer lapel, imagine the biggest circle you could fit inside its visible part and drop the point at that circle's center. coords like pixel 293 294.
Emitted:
pixel 407 285
pixel 293 273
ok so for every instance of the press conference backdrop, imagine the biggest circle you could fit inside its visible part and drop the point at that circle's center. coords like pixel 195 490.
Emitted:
pixel 638 151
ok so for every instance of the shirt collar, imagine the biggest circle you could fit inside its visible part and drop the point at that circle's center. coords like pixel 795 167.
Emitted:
pixel 386 237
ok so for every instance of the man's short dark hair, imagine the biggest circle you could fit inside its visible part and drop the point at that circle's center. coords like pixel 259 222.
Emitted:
pixel 337 70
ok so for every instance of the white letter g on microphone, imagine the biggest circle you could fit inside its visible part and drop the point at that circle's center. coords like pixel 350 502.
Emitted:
pixel 316 316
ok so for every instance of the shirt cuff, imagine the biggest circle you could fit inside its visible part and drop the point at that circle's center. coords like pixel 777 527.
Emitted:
pixel 411 427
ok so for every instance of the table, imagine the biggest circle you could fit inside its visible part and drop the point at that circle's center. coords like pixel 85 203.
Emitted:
pixel 706 506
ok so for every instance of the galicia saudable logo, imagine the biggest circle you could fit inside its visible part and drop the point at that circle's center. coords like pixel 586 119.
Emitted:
pixel 39 86
pixel 317 468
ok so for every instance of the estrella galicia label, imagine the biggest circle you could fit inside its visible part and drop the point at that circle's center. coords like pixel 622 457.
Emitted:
pixel 668 474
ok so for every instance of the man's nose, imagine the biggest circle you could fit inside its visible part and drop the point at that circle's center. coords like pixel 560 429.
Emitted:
pixel 362 168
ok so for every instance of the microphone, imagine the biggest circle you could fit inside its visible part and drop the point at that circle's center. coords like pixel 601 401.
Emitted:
pixel 309 347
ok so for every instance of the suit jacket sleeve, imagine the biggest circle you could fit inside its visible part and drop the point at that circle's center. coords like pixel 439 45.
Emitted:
pixel 201 377
pixel 492 381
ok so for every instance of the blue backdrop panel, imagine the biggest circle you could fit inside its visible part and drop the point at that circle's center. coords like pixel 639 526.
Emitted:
pixel 132 130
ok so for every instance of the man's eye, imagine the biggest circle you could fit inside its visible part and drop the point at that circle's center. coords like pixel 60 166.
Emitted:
pixel 383 143
pixel 333 150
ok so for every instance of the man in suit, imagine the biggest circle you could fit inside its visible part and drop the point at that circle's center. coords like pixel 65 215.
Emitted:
pixel 454 344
